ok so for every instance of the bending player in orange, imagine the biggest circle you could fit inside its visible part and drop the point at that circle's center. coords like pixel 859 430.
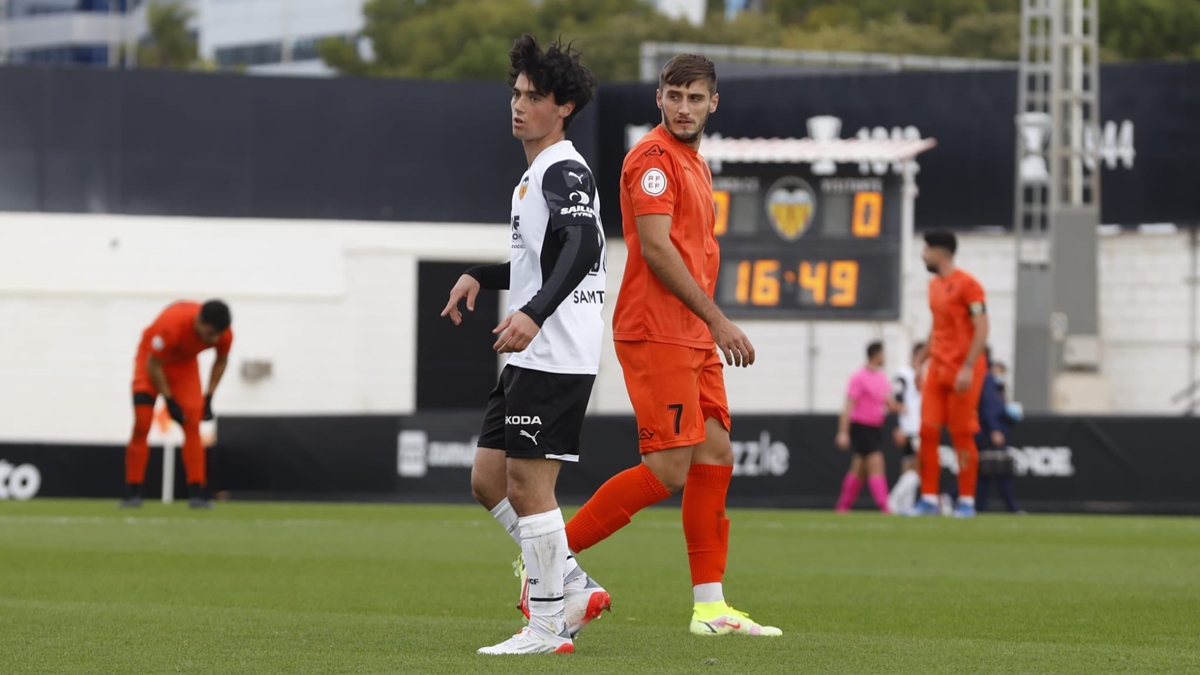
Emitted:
pixel 955 377
pixel 665 325
pixel 166 364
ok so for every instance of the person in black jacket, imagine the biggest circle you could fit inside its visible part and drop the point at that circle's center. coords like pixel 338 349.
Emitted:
pixel 995 464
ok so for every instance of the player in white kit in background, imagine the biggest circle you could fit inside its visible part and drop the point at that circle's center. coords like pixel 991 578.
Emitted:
pixel 907 391
pixel 553 332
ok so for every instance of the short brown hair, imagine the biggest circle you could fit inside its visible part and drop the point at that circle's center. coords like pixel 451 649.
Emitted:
pixel 685 69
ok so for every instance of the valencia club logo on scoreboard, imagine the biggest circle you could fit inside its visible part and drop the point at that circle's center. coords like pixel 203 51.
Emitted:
pixel 791 205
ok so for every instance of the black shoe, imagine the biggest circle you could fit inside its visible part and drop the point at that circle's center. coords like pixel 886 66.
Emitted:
pixel 200 503
pixel 130 503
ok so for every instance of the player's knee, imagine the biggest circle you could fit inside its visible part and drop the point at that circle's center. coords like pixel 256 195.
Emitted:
pixel 486 490
pixel 962 439
pixel 141 428
pixel 714 453
pixel 673 478
pixel 530 496
pixel 670 467
pixel 674 484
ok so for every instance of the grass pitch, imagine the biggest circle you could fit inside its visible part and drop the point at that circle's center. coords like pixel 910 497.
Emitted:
pixel 285 588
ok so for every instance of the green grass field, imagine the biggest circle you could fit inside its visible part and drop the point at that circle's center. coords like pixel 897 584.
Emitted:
pixel 290 588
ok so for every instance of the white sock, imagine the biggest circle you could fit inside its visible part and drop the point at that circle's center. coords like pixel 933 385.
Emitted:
pixel 932 499
pixel 969 501
pixel 572 570
pixel 504 514
pixel 708 592
pixel 544 543
pixel 904 493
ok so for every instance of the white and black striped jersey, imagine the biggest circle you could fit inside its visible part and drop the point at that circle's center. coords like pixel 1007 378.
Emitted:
pixel 904 388
pixel 558 238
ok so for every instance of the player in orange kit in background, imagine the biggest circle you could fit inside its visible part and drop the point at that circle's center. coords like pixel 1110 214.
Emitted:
pixel 955 377
pixel 166 364
pixel 665 326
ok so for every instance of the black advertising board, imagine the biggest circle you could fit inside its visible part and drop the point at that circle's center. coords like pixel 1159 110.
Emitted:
pixel 1062 464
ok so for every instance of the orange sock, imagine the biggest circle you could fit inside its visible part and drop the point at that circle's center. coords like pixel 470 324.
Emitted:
pixel 927 458
pixel 968 464
pixel 705 526
pixel 613 506
pixel 137 453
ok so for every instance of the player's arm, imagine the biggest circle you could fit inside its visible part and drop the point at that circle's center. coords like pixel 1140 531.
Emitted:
pixel 979 318
pixel 217 372
pixel 922 356
pixel 978 341
pixel 569 191
pixel 991 408
pixel 896 401
pixel 992 412
pixel 580 253
pixel 154 368
pixel 214 378
pixel 843 434
pixel 491 277
pixel 663 259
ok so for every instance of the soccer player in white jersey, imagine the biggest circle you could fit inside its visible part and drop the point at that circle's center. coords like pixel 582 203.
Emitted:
pixel 553 334
pixel 907 391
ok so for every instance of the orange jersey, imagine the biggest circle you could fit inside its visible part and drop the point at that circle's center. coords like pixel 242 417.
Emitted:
pixel 662 176
pixel 954 299
pixel 172 337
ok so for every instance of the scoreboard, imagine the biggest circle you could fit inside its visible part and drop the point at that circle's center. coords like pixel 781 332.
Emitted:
pixel 799 246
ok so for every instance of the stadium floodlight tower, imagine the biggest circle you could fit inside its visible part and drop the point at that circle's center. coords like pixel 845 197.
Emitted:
pixel 1057 209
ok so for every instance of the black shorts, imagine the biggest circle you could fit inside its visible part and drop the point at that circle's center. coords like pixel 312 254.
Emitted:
pixel 534 414
pixel 865 439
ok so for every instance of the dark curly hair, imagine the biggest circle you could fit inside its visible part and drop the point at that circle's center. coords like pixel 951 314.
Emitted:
pixel 556 71
pixel 216 314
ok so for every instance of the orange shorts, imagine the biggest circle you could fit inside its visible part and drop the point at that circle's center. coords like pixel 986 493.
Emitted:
pixel 942 406
pixel 183 376
pixel 674 389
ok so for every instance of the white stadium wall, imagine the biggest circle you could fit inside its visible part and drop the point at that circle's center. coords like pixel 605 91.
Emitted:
pixel 331 306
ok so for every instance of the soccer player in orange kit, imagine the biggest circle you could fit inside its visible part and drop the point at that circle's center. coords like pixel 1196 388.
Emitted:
pixel 166 364
pixel 665 326
pixel 957 368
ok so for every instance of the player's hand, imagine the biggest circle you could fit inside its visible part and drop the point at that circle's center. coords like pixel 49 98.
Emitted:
pixel 963 381
pixel 842 440
pixel 208 413
pixel 467 287
pixel 998 439
pixel 733 343
pixel 898 437
pixel 515 333
pixel 175 411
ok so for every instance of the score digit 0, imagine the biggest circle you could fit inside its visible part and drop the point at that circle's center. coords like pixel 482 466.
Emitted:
pixel 721 209
pixel 868 212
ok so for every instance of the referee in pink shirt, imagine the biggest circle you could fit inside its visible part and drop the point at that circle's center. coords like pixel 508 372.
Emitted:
pixel 868 400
